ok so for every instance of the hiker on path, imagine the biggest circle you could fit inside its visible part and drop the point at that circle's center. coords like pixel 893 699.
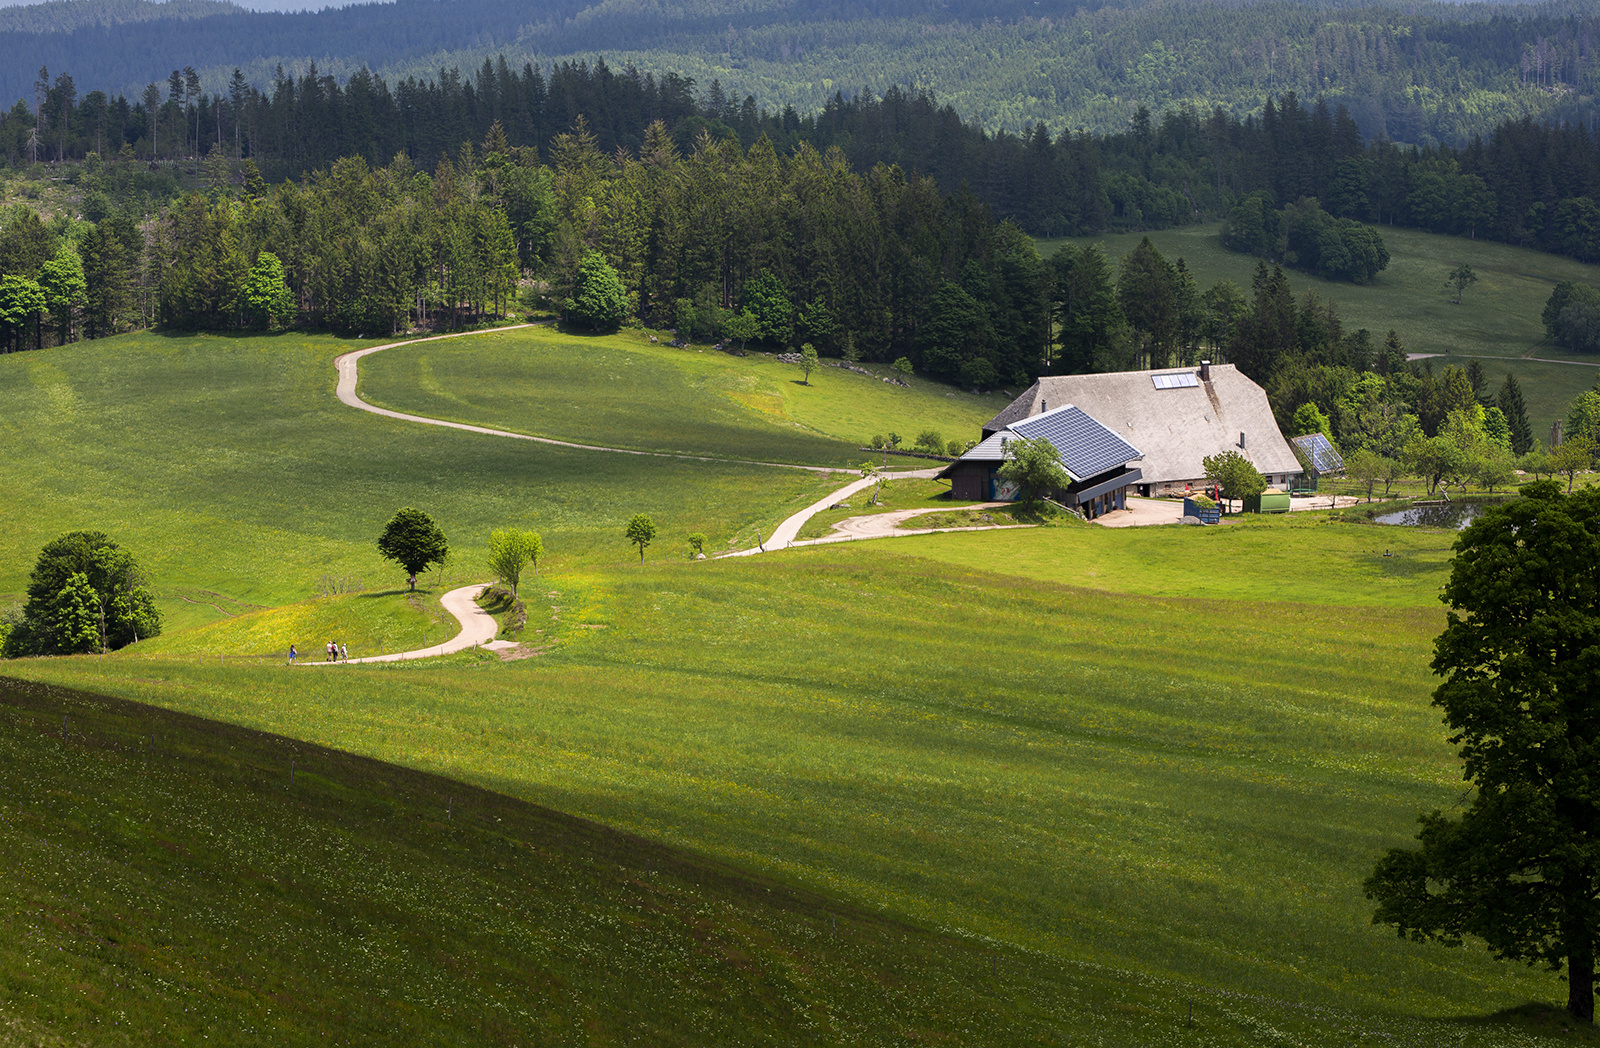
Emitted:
pixel 344 653
pixel 293 654
pixel 333 651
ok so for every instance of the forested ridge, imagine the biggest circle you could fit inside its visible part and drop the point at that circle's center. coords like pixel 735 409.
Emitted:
pixel 1433 72
pixel 1525 183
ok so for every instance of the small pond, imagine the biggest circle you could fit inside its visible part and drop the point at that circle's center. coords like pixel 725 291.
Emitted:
pixel 1456 515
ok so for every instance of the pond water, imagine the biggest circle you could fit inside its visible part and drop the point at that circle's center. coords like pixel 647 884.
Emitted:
pixel 1455 515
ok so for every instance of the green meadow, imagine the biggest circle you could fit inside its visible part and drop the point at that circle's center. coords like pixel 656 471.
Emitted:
pixel 1064 783
pixel 624 391
pixel 1498 316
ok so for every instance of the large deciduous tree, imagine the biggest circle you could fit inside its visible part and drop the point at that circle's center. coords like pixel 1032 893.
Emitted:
pixel 599 300
pixel 412 540
pixel 1520 868
pixel 86 594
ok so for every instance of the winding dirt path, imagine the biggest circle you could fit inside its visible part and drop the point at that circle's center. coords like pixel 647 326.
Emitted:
pixel 478 629
pixel 346 392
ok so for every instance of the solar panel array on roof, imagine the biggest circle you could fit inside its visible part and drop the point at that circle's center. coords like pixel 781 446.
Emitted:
pixel 1324 457
pixel 1176 380
pixel 1087 447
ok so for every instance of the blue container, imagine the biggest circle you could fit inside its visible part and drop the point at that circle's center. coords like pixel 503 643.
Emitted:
pixel 1207 514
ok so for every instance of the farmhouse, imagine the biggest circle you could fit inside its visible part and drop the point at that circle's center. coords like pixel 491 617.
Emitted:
pixel 1097 460
pixel 1176 416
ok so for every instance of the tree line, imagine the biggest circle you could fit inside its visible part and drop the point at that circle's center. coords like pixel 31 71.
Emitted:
pixel 1525 183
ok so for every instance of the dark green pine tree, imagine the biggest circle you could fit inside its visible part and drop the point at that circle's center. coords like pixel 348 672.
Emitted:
pixel 1516 413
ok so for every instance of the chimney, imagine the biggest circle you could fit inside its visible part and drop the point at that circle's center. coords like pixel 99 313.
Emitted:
pixel 1044 405
pixel 1205 371
pixel 1241 440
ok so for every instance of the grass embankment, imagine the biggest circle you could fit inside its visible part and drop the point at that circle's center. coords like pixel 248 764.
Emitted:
pixel 623 391
pixel 1183 789
pixel 1300 558
pixel 238 480
pixel 178 887
pixel 1498 317
pixel 372 623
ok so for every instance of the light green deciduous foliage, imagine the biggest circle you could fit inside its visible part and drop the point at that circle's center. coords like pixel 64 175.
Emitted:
pixel 1574 456
pixel 1308 418
pixel 599 301
pixel 1520 867
pixel 85 594
pixel 808 361
pixel 412 540
pixel 1365 468
pixel 697 543
pixel 1496 468
pixel 641 532
pixel 1583 416
pixel 742 326
pixel 931 441
pixel 72 617
pixel 21 300
pixel 511 550
pixel 1234 475
pixel 65 290
pixel 267 300
pixel 902 365
pixel 1034 465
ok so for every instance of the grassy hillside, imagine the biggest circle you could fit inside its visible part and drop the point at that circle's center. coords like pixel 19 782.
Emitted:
pixel 622 391
pixel 239 481
pixel 1498 317
pixel 1185 788
pixel 1129 770
pixel 174 879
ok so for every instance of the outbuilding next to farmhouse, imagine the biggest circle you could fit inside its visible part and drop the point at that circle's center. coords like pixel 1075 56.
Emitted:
pixel 1176 417
pixel 1100 464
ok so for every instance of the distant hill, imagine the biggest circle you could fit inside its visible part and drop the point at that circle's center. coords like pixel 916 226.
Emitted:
pixel 65 16
pixel 1427 72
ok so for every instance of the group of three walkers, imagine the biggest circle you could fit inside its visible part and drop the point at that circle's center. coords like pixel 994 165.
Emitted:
pixel 336 652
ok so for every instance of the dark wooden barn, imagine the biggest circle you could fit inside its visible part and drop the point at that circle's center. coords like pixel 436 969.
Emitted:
pixel 1097 460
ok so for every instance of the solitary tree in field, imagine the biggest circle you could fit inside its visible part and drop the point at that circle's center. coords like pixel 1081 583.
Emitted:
pixel 641 532
pixel 697 543
pixel 86 594
pixel 808 361
pixel 1520 658
pixel 1461 278
pixel 511 550
pixel 1034 464
pixel 412 540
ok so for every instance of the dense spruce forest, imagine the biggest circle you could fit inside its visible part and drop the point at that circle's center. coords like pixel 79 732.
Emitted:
pixel 1433 72
pixel 1524 183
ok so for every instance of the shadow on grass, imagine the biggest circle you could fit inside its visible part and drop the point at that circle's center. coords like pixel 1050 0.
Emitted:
pixel 1534 1017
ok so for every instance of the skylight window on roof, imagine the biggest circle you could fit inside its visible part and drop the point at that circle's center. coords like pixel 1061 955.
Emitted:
pixel 1176 380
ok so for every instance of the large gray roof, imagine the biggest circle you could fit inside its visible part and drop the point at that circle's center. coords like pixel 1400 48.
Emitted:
pixel 1175 427
pixel 1088 448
